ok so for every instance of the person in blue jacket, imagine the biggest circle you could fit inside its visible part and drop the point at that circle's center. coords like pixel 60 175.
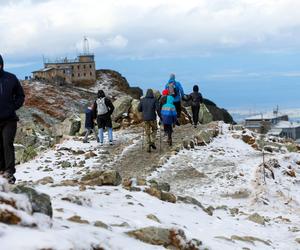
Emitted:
pixel 169 117
pixel 89 123
pixel 11 99
pixel 175 89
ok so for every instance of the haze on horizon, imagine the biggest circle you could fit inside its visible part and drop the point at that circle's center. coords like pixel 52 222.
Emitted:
pixel 241 52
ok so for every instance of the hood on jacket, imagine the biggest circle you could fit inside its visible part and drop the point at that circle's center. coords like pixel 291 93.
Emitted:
pixel 170 99
pixel 196 88
pixel 172 78
pixel 149 93
pixel 101 94
pixel 1 63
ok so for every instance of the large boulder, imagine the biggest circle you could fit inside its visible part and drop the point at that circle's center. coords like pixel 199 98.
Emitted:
pixel 169 238
pixel 122 106
pixel 41 203
pixel 100 178
pixel 134 114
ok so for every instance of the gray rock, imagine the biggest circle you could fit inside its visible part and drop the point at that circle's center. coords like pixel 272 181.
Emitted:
pixel 41 203
pixel 193 201
pixel 101 224
pixel 122 105
pixel 256 218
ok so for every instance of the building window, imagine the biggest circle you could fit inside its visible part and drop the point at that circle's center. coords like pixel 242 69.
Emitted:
pixel 78 74
pixel 72 66
pixel 90 66
pixel 84 74
pixel 72 75
pixel 91 74
pixel 84 66
pixel 64 71
pixel 78 67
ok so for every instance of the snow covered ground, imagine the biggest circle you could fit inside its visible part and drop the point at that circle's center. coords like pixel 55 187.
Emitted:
pixel 224 175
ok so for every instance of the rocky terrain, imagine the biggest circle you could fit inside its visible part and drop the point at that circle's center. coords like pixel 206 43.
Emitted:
pixel 52 111
pixel 207 191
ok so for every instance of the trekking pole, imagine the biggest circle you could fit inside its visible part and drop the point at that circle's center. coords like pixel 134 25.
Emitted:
pixel 143 138
pixel 160 138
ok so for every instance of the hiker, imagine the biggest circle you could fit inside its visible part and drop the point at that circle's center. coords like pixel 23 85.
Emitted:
pixel 196 99
pixel 103 109
pixel 11 99
pixel 89 124
pixel 163 98
pixel 149 107
pixel 169 117
pixel 175 89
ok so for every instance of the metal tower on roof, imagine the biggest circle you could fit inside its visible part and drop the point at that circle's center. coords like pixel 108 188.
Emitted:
pixel 86 46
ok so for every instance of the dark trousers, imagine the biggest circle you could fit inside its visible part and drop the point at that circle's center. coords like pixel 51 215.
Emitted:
pixel 178 108
pixel 195 111
pixel 7 151
pixel 169 130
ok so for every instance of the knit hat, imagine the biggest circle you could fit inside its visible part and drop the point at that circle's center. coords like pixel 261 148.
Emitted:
pixel 196 88
pixel 165 92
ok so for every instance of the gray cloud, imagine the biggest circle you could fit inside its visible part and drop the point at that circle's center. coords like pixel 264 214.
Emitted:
pixel 155 28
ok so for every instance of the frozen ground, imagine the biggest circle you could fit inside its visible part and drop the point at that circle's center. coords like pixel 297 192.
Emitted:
pixel 224 175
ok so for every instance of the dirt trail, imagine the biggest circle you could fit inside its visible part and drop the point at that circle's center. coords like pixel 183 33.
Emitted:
pixel 132 159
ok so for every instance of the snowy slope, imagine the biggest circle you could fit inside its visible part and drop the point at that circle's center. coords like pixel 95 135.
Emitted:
pixel 224 175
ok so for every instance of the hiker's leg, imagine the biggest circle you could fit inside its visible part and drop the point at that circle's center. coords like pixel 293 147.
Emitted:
pixel 178 108
pixel 8 134
pixel 87 132
pixel 96 134
pixel 110 134
pixel 101 136
pixel 147 132
pixel 197 115
pixel 153 131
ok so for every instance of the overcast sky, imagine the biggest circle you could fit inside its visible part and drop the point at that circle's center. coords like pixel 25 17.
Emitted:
pixel 129 33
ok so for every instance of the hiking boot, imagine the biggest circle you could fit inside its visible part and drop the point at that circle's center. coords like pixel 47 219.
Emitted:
pixel 149 149
pixel 152 145
pixel 170 141
pixel 195 126
pixel 9 177
pixel 85 141
pixel 111 143
pixel 177 123
pixel 101 144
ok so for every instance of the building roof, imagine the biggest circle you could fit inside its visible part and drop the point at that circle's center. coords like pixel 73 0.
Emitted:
pixel 287 124
pixel 266 116
pixel 43 70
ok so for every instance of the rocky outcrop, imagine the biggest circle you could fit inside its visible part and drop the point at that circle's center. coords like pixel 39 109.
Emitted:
pixel 100 178
pixel 119 82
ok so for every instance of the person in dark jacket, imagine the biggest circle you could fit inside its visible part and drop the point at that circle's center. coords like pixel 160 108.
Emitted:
pixel 103 109
pixel 150 108
pixel 89 123
pixel 169 117
pixel 11 99
pixel 196 100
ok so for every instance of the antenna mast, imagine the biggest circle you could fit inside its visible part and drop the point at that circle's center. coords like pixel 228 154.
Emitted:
pixel 86 46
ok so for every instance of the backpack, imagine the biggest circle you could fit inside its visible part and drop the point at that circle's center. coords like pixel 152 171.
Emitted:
pixel 101 106
pixel 173 91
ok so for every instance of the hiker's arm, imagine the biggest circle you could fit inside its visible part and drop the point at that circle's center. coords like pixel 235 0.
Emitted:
pixel 140 108
pixel 18 95
pixel 180 89
pixel 157 107
pixel 94 110
pixel 201 98
pixel 110 105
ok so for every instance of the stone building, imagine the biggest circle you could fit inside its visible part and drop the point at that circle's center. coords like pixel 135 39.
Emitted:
pixel 81 71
